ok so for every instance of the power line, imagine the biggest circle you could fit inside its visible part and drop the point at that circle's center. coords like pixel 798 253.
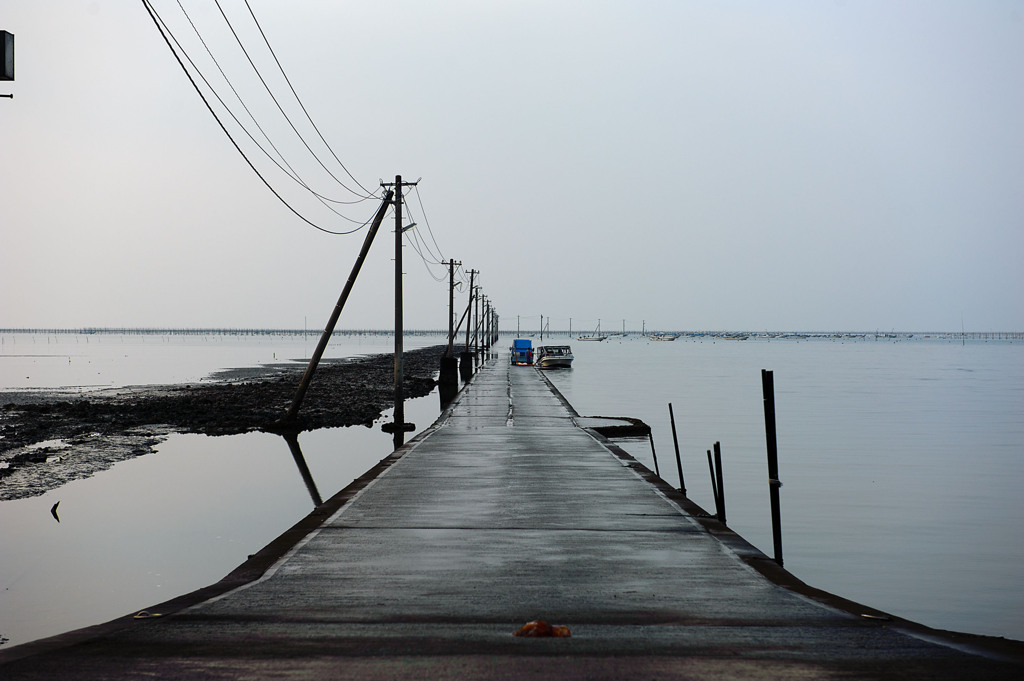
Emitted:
pixel 427 263
pixel 430 231
pixel 290 172
pixel 303 106
pixel 168 36
pixel 274 98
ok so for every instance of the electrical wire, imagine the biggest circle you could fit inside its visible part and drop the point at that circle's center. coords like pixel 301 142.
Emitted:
pixel 168 36
pixel 277 103
pixel 430 231
pixel 427 264
pixel 303 106
pixel 290 172
pixel 421 245
pixel 417 242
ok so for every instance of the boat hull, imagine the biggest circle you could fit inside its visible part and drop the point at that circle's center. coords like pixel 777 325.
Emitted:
pixel 554 363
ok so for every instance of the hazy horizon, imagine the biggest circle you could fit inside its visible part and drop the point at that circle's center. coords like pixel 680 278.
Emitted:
pixel 504 329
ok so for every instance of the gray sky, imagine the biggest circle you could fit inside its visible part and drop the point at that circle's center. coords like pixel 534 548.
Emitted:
pixel 695 165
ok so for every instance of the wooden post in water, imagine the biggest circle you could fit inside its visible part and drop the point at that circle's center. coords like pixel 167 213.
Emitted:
pixel 654 454
pixel 721 482
pixel 714 484
pixel 768 391
pixel 675 441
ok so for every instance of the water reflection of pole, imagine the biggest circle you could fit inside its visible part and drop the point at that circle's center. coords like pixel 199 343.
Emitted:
pixel 300 461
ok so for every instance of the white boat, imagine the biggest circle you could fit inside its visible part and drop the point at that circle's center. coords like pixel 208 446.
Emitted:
pixel 553 357
pixel 663 337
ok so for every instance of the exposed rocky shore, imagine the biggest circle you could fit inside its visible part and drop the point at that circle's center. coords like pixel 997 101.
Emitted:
pixel 48 439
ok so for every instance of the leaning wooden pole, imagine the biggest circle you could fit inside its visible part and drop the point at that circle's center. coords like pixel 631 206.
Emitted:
pixel 307 377
pixel 768 393
pixel 675 441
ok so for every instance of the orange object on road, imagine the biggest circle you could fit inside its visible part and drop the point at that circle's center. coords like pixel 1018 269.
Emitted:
pixel 540 628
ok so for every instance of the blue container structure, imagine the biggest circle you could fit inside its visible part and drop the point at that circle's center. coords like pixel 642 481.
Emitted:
pixel 522 351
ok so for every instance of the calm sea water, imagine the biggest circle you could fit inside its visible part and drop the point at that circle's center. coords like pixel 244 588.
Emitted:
pixel 169 522
pixel 901 464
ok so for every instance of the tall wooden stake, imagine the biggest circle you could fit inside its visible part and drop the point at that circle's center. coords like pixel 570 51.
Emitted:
pixel 721 481
pixel 768 392
pixel 675 441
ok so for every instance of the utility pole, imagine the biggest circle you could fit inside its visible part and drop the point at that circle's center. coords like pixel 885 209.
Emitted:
pixel 476 327
pixel 481 342
pixel 472 290
pixel 399 423
pixel 486 331
pixel 487 328
pixel 466 366
pixel 448 378
pixel 451 304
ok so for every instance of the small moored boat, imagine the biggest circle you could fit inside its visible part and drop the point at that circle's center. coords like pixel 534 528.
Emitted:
pixel 554 357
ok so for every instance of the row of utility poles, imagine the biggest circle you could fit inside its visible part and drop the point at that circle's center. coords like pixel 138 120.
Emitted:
pixel 481 326
pixel 484 329
pixel 481 333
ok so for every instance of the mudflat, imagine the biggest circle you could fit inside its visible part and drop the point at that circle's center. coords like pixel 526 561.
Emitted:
pixel 48 439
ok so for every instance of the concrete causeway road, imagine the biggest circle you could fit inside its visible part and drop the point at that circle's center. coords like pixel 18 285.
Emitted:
pixel 503 512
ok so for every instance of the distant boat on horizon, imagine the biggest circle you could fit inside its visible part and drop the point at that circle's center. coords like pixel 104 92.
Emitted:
pixel 596 335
